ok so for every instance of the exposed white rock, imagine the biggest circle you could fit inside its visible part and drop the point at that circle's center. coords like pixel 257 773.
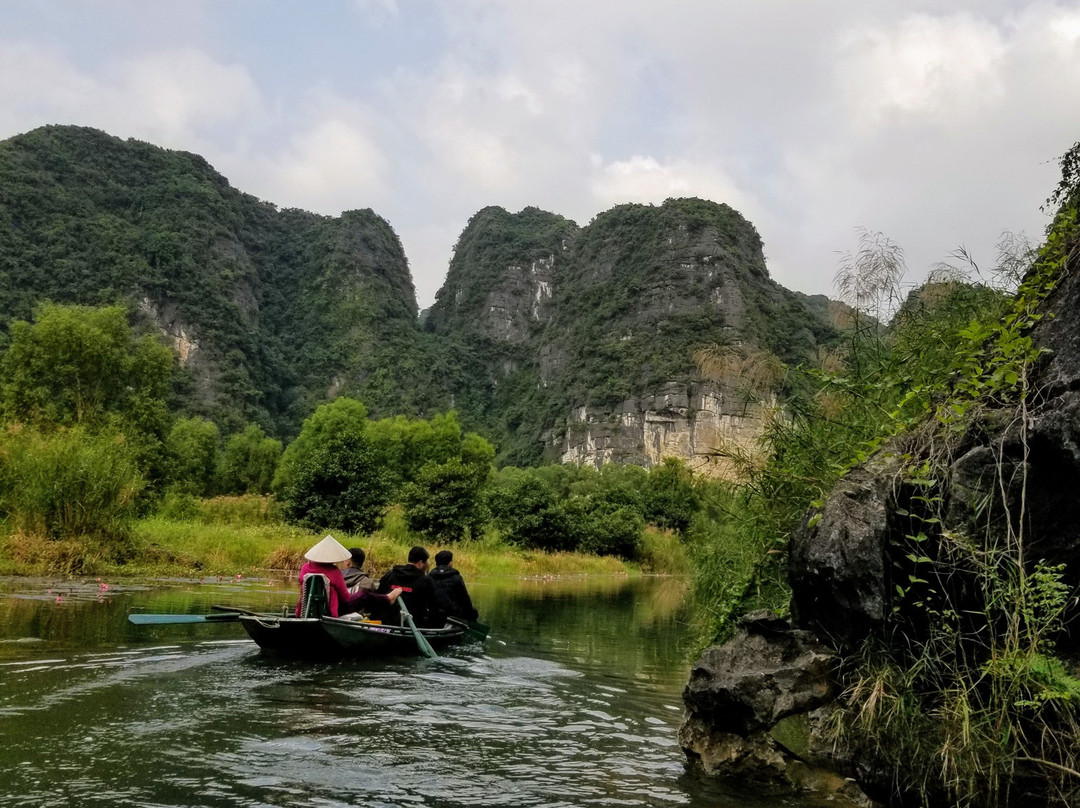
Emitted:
pixel 688 422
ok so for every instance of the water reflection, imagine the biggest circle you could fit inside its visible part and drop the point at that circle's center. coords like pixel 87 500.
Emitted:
pixel 574 702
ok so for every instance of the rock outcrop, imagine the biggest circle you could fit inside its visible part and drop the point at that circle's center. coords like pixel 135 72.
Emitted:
pixel 689 421
pixel 862 565
pixel 595 329
pixel 758 710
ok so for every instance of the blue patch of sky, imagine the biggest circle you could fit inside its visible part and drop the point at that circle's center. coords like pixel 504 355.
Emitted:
pixel 85 36
pixel 344 47
pixel 644 125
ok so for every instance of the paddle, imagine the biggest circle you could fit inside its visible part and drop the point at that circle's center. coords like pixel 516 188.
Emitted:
pixel 421 640
pixel 167 619
pixel 473 630
pixel 237 610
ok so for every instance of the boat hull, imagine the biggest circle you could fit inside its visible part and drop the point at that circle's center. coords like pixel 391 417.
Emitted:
pixel 358 637
pixel 334 636
pixel 290 636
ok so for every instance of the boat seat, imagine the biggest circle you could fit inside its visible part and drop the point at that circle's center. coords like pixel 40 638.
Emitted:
pixel 315 595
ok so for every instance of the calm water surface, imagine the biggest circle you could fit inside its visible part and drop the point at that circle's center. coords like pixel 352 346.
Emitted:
pixel 574 701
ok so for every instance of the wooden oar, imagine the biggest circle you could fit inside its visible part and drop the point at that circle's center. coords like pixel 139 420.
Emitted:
pixel 421 640
pixel 473 630
pixel 238 610
pixel 167 619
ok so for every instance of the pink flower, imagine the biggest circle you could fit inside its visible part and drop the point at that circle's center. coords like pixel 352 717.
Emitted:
pixel 59 598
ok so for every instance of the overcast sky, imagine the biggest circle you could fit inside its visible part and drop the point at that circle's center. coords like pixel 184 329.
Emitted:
pixel 937 123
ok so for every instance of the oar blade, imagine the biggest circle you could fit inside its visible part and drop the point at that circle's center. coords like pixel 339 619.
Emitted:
pixel 170 619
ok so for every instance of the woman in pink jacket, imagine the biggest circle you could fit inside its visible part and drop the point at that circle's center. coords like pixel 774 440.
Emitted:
pixel 323 559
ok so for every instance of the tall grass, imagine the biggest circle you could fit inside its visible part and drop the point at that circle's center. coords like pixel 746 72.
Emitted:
pixel 64 489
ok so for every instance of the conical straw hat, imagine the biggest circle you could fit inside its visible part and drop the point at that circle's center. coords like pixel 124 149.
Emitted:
pixel 328 551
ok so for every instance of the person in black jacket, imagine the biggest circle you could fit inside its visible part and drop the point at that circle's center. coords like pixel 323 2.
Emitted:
pixel 451 596
pixel 416 588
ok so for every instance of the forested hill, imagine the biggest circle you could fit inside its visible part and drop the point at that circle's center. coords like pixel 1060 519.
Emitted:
pixel 589 335
pixel 270 310
pixel 273 311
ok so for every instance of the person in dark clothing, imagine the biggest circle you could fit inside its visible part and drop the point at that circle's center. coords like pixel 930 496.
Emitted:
pixel 416 589
pixel 355 577
pixel 451 595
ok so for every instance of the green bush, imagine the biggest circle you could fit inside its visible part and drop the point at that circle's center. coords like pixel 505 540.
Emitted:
pixel 603 528
pixel 342 486
pixel 669 498
pixel 68 483
pixel 530 514
pixel 446 503
pixel 191 450
pixel 341 417
pixel 248 463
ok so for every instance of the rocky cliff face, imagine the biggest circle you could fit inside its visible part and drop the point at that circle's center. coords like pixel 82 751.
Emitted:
pixel 859 572
pixel 688 421
pixel 599 325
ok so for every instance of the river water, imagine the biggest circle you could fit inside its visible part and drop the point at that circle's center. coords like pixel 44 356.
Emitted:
pixel 573 701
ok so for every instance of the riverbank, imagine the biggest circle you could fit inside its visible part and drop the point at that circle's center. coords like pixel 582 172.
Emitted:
pixel 242 536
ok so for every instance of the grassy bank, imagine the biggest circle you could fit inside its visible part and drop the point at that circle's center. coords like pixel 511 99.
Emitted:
pixel 243 536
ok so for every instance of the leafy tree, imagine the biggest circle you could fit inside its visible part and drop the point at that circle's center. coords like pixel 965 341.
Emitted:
pixel 342 485
pixel 604 528
pixel 341 417
pixel 249 462
pixel 445 502
pixel 530 513
pixel 191 449
pixel 407 444
pixel 669 497
pixel 80 365
pixel 618 484
pixel 83 366
pixel 477 451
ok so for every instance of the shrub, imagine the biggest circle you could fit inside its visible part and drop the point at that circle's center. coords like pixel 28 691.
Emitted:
pixel 342 486
pixel 669 498
pixel 604 528
pixel 191 449
pixel 68 484
pixel 530 515
pixel 248 463
pixel 445 502
pixel 341 417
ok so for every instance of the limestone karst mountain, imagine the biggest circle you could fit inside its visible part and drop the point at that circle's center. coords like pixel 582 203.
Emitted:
pixel 588 335
pixel 558 341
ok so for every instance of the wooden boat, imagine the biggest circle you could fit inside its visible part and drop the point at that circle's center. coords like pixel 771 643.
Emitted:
pixel 315 634
pixel 341 636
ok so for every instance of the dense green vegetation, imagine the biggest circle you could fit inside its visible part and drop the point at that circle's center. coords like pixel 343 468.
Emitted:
pixel 276 306
pixel 88 444
pixel 965 687
pixel 634 295
pixel 274 312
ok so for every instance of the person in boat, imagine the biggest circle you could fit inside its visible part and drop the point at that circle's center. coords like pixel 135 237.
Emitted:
pixel 323 559
pixel 355 577
pixel 451 594
pixel 412 581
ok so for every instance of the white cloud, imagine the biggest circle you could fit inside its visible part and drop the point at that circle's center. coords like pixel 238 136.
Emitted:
pixel 177 92
pixel 332 166
pixel 645 179
pixel 934 68
pixel 169 97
